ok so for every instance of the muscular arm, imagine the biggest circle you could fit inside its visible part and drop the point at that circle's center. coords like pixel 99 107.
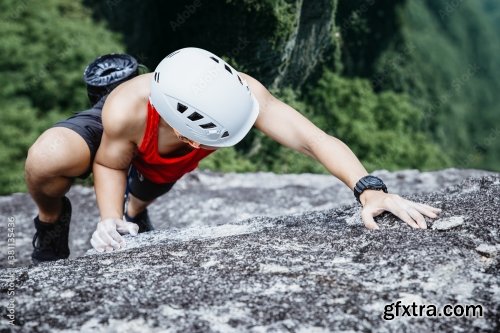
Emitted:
pixel 112 160
pixel 284 124
pixel 288 127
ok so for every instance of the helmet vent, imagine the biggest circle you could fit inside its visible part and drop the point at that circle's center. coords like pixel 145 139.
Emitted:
pixel 215 59
pixel 228 69
pixel 157 77
pixel 181 107
pixel 195 116
pixel 208 125
pixel 226 134
pixel 239 79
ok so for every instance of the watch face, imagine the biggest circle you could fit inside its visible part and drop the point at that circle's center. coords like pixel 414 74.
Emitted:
pixel 372 180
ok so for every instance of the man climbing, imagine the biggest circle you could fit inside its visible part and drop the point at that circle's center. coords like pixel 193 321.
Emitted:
pixel 66 151
pixel 158 126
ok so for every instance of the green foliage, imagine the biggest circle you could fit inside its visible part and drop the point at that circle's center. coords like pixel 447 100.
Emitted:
pixel 446 59
pixel 44 47
pixel 268 155
pixel 409 84
pixel 252 32
pixel 443 54
pixel 284 10
pixel 382 129
pixel 365 29
pixel 20 128
pixel 227 160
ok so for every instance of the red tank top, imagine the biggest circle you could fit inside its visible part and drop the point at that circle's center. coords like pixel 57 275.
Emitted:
pixel 163 169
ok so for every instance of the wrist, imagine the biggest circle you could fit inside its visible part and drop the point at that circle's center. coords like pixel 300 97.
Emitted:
pixel 366 185
pixel 106 218
pixel 366 195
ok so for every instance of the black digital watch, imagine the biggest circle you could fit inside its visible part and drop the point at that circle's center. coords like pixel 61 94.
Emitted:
pixel 368 183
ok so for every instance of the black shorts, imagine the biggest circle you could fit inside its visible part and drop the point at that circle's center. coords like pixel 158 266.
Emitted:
pixel 88 124
pixel 143 188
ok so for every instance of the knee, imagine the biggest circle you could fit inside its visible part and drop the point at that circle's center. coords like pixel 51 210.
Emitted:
pixel 43 176
pixel 34 168
pixel 48 156
pixel 42 162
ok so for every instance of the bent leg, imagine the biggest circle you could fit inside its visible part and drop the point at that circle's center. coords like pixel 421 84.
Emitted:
pixel 56 157
pixel 136 205
pixel 142 192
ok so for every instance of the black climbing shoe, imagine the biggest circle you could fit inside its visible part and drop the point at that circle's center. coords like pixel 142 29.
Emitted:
pixel 142 220
pixel 51 239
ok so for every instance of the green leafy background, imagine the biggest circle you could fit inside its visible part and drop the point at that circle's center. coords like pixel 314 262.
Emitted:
pixel 405 84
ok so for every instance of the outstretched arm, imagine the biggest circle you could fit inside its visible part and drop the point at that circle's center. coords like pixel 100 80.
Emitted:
pixel 285 125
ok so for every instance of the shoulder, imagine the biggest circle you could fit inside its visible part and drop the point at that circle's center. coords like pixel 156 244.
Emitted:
pixel 258 90
pixel 125 111
pixel 266 100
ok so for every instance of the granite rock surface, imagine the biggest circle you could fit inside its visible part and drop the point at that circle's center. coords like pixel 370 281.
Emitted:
pixel 267 253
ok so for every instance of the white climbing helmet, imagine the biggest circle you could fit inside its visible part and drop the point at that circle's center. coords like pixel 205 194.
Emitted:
pixel 203 98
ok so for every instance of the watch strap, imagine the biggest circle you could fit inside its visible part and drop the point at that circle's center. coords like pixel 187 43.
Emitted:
pixel 363 185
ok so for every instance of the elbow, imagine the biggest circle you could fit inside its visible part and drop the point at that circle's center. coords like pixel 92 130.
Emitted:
pixel 314 142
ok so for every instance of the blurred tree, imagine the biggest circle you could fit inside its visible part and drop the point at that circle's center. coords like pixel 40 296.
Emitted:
pixel 382 129
pixel 395 80
pixel 44 47
pixel 244 30
pixel 366 28
pixel 443 54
